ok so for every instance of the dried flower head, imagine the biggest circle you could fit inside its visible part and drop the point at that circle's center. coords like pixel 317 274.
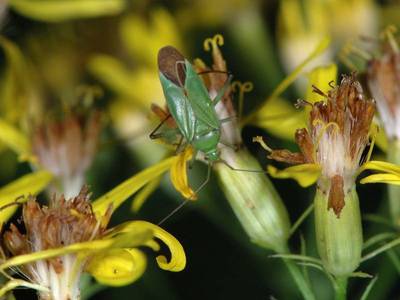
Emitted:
pixel 63 223
pixel 383 75
pixel 335 140
pixel 67 149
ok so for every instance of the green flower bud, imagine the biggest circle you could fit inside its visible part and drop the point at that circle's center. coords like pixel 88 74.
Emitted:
pixel 339 238
pixel 254 200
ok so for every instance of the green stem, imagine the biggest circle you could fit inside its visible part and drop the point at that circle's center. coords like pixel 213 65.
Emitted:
pixel 341 288
pixel 299 278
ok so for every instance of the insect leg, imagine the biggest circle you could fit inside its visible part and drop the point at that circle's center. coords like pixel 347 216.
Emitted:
pixel 222 91
pixel 232 146
pixel 154 135
pixel 181 145
pixel 228 119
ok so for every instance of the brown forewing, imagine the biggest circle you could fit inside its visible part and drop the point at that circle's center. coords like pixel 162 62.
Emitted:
pixel 171 64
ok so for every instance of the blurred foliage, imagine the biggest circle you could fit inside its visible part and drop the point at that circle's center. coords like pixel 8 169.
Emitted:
pixel 50 50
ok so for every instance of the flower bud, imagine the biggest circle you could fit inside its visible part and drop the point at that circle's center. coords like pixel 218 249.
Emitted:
pixel 254 200
pixel 339 239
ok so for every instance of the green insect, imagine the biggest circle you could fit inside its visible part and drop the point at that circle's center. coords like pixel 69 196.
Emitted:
pixel 189 103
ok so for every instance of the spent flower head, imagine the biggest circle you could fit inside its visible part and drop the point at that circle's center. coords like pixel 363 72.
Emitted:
pixel 67 148
pixel 337 136
pixel 383 76
pixel 63 223
pixel 70 237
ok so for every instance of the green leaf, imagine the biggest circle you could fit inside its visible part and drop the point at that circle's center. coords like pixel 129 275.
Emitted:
pixel 369 288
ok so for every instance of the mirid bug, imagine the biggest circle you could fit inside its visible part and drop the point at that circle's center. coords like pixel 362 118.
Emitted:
pixel 189 103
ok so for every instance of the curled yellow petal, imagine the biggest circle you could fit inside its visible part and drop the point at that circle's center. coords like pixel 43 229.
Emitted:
pixel 61 10
pixel 179 174
pixel 123 191
pixel 117 267
pixel 14 139
pixel 19 189
pixel 322 78
pixel 178 258
pixel 304 174
pixel 382 178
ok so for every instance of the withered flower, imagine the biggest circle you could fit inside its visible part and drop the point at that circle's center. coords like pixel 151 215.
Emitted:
pixel 383 77
pixel 337 136
pixel 331 151
pixel 67 148
pixel 70 237
pixel 62 223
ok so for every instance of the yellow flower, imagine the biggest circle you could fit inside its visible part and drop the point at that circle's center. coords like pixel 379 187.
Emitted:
pixel 70 237
pixel 277 115
pixel 62 10
pixel 303 23
pixel 137 88
pixel 17 192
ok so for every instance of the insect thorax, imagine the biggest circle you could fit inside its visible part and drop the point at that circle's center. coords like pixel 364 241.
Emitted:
pixel 207 142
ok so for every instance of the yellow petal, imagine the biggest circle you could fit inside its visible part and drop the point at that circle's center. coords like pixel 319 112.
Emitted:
pixel 16 88
pixel 117 267
pixel 143 37
pixel 321 77
pixel 280 118
pixel 178 258
pixel 14 283
pixel 123 191
pixel 62 10
pixel 304 174
pixel 113 73
pixel 179 174
pixel 381 166
pixel 321 47
pixel 381 140
pixel 137 236
pixel 145 193
pixel 118 78
pixel 14 139
pixel 382 178
pixel 30 184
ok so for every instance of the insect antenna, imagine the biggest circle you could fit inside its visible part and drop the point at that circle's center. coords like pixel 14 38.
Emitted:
pixel 214 71
pixel 15 202
pixel 176 209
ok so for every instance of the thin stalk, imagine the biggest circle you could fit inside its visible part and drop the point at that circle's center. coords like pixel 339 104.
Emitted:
pixel 299 278
pixel 341 288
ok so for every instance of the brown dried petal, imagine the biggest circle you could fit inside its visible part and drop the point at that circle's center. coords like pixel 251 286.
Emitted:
pixel 286 156
pixel 303 139
pixel 336 195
